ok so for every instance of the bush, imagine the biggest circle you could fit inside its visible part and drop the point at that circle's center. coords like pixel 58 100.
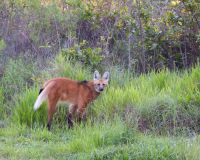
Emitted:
pixel 86 55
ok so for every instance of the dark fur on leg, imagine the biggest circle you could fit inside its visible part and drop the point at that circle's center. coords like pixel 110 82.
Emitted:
pixel 69 120
pixel 82 120
pixel 49 126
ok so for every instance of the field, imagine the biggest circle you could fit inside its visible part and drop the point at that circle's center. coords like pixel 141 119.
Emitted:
pixel 150 116
pixel 151 107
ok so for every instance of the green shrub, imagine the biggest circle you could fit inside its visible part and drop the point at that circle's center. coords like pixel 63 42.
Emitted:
pixel 86 55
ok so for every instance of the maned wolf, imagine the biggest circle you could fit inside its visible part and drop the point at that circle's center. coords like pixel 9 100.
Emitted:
pixel 77 93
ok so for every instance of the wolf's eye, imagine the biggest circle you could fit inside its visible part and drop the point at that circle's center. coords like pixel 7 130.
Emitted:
pixel 98 84
pixel 104 84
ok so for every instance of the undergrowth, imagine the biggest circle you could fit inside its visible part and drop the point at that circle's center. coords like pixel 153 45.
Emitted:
pixel 165 102
pixel 152 116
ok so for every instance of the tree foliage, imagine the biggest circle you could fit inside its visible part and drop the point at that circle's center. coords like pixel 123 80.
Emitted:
pixel 138 34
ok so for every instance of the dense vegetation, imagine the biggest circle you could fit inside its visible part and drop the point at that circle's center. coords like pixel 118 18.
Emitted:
pixel 150 109
pixel 140 35
pixel 151 116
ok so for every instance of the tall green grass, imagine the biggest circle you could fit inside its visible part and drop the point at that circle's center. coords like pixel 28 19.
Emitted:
pixel 24 113
pixel 156 104
pixel 165 102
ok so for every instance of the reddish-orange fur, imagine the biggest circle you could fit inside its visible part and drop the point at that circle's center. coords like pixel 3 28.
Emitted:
pixel 78 93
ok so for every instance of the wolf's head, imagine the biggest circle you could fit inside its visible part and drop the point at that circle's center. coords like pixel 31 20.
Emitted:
pixel 100 82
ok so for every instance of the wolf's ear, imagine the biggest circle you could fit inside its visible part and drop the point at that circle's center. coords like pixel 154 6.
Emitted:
pixel 96 76
pixel 106 76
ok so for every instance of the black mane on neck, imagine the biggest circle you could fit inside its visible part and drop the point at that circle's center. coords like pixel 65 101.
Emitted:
pixel 83 82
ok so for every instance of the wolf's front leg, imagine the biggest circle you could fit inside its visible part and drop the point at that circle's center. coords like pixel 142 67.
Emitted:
pixel 69 118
